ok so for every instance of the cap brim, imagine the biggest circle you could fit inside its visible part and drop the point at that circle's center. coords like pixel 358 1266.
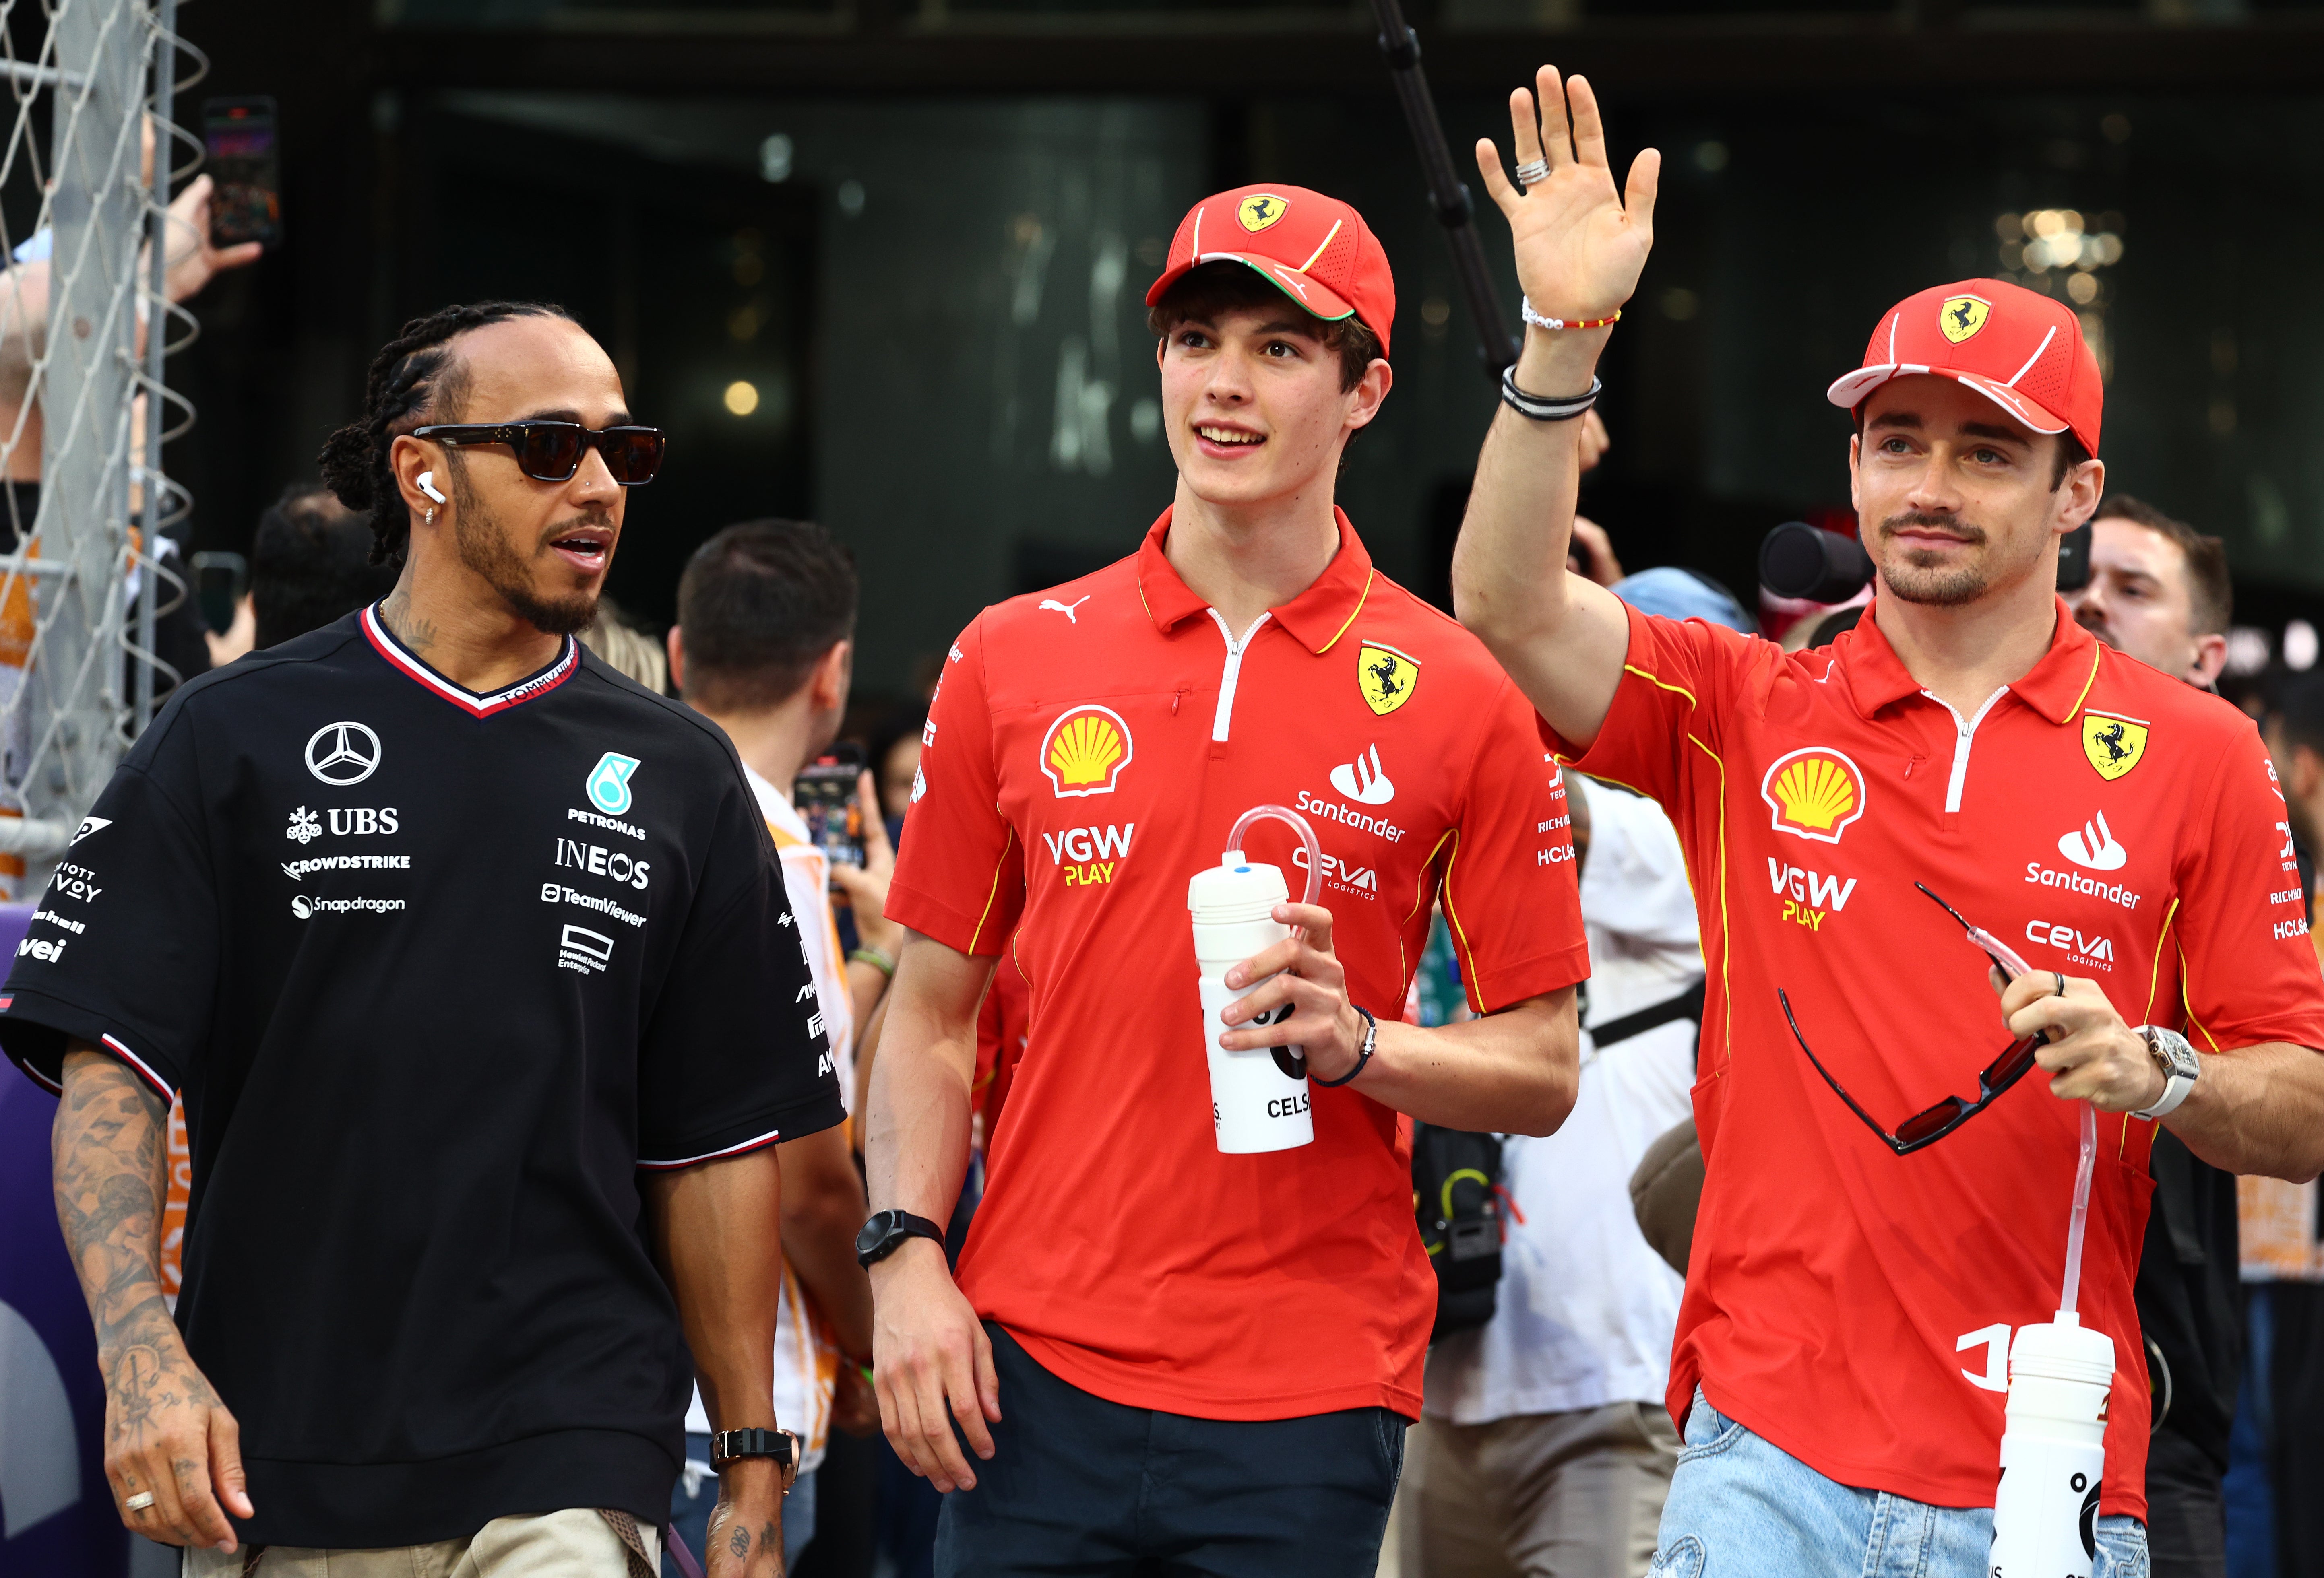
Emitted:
pixel 1317 299
pixel 1850 392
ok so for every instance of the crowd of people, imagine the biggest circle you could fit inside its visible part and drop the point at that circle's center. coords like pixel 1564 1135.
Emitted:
pixel 604 1158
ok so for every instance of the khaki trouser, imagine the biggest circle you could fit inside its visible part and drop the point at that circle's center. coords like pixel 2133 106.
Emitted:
pixel 574 1543
pixel 1573 1495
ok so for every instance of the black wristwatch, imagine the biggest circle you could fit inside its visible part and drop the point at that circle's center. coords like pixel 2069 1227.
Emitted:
pixel 727 1446
pixel 886 1232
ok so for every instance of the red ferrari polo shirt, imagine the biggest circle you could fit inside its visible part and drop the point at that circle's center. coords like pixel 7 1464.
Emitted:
pixel 1090 748
pixel 1852 1306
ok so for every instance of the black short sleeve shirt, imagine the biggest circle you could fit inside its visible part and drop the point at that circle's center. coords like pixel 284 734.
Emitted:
pixel 437 974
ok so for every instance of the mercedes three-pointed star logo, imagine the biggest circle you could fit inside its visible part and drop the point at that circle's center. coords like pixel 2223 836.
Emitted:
pixel 341 754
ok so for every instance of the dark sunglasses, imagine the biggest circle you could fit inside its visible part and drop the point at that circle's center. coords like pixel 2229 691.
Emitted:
pixel 1931 1125
pixel 551 452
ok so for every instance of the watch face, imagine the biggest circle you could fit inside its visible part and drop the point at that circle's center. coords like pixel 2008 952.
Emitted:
pixel 875 1232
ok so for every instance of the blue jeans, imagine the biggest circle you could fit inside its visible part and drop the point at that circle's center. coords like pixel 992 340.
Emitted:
pixel 694 1496
pixel 1741 1506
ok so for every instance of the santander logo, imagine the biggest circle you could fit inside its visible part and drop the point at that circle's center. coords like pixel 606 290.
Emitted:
pixel 2092 847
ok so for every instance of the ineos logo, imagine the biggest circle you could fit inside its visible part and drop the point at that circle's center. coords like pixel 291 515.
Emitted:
pixel 342 754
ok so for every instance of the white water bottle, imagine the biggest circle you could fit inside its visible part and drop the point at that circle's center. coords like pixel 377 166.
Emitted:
pixel 1259 1098
pixel 2046 1512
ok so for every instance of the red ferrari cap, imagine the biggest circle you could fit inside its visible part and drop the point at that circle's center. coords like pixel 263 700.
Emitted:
pixel 2018 348
pixel 1316 250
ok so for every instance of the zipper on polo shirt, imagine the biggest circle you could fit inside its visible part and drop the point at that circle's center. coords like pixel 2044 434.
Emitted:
pixel 1963 734
pixel 1224 716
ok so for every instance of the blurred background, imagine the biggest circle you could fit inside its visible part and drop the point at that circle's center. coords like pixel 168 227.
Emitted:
pixel 882 262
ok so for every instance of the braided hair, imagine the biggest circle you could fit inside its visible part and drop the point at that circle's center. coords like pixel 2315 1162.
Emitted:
pixel 413 377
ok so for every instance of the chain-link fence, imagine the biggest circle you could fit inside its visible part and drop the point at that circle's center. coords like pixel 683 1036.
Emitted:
pixel 85 323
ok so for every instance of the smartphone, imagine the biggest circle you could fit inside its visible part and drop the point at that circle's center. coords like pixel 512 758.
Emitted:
pixel 825 794
pixel 219 581
pixel 246 203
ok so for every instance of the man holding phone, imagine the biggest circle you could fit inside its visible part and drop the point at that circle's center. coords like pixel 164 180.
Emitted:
pixel 1156 1351
pixel 1843 1341
pixel 763 647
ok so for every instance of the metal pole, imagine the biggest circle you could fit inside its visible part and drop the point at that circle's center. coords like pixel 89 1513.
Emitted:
pixel 1447 195
pixel 157 334
pixel 77 662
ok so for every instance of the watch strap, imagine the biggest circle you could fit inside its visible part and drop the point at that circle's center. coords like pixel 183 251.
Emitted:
pixel 896 1226
pixel 728 1445
pixel 2176 1082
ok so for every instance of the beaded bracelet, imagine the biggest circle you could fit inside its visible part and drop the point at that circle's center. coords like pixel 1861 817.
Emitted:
pixel 1540 322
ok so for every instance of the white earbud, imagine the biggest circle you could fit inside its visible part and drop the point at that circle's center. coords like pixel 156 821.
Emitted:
pixel 428 486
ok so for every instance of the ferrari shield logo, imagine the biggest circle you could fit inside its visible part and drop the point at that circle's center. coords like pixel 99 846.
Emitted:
pixel 2114 744
pixel 1963 316
pixel 1386 676
pixel 1259 210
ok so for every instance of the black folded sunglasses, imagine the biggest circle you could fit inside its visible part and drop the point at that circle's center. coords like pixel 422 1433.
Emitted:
pixel 551 452
pixel 1927 1127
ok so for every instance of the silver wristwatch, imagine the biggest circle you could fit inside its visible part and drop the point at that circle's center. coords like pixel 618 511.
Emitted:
pixel 2179 1066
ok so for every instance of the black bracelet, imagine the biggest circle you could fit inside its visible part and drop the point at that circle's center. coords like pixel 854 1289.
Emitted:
pixel 1363 1052
pixel 1547 411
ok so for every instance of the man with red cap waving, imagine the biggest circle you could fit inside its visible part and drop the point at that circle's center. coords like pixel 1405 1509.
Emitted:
pixel 1880 1217
pixel 1156 1351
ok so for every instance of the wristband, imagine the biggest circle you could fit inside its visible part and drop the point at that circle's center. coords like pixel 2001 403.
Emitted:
pixel 1363 1052
pixel 877 957
pixel 1540 321
pixel 731 1445
pixel 1547 411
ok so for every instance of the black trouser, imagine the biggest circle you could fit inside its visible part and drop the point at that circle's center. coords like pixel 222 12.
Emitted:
pixel 1078 1485
pixel 2186 1515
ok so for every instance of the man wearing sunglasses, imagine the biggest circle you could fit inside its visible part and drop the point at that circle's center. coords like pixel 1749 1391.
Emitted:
pixel 1888 1187
pixel 471 960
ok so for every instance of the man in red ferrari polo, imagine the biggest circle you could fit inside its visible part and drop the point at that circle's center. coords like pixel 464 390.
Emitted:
pixel 1842 1349
pixel 1156 1351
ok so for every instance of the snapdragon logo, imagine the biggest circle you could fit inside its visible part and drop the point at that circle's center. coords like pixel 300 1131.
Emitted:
pixel 307 909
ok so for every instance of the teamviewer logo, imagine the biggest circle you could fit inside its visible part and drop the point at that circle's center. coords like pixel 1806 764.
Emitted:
pixel 583 950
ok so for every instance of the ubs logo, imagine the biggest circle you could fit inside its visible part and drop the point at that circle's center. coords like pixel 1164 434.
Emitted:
pixel 342 754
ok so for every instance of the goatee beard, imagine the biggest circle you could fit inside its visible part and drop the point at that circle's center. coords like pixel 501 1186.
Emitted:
pixel 484 549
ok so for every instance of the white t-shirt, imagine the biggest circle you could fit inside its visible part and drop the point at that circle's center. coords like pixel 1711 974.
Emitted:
pixel 1586 1311
pixel 807 1360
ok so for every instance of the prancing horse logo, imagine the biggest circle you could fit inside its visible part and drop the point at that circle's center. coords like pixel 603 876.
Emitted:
pixel 1259 210
pixel 1962 316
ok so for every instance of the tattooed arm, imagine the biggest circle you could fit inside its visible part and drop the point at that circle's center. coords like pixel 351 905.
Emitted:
pixel 717 1234
pixel 166 1434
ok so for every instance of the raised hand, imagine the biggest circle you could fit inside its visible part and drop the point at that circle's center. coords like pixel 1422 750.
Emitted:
pixel 1581 244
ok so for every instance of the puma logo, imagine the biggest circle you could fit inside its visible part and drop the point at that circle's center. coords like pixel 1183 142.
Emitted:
pixel 1064 609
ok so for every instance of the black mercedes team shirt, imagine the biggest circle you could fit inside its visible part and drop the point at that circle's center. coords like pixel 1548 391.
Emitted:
pixel 436 973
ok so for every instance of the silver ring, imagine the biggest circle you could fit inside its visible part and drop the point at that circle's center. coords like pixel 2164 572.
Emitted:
pixel 140 1501
pixel 1533 173
pixel 2061 982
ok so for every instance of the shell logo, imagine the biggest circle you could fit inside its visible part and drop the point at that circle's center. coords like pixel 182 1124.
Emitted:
pixel 1085 750
pixel 1814 793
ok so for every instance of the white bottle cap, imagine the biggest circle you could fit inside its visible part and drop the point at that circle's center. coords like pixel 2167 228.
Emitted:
pixel 2065 1350
pixel 1236 891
